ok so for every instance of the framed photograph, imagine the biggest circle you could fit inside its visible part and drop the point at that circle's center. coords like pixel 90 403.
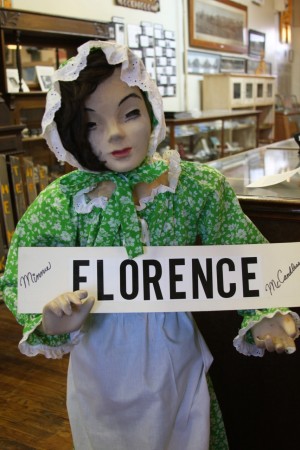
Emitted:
pixel 199 63
pixel 256 44
pixel 218 25
pixel 12 78
pixel 44 76
pixel 233 65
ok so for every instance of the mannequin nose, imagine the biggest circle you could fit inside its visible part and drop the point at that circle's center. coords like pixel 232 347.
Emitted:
pixel 115 131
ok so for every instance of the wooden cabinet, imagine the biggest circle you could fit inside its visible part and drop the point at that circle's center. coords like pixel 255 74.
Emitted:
pixel 29 39
pixel 287 123
pixel 240 91
pixel 213 134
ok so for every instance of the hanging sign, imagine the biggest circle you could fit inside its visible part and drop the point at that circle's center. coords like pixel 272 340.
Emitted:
pixel 146 5
pixel 163 279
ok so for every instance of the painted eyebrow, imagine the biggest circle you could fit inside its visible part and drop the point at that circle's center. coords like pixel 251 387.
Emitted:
pixel 129 96
pixel 120 103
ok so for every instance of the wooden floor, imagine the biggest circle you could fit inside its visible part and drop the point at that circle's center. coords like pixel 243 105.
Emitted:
pixel 32 395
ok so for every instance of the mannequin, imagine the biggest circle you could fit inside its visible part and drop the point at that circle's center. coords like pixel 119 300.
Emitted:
pixel 134 380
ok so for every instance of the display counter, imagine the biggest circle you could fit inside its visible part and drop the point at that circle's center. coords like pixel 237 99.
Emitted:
pixel 274 209
pixel 258 394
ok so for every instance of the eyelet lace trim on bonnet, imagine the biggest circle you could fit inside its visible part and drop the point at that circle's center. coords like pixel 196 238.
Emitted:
pixel 133 73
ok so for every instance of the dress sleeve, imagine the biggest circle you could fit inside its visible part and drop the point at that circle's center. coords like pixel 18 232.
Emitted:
pixel 223 222
pixel 47 222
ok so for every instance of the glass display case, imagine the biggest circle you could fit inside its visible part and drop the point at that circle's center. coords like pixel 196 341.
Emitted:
pixel 274 209
pixel 213 134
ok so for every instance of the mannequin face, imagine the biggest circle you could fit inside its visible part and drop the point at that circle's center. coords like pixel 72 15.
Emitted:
pixel 118 124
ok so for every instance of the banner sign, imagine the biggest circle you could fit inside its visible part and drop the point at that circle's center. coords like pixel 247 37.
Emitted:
pixel 163 279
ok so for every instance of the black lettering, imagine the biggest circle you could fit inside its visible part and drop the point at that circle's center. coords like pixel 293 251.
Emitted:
pixel 134 278
pixel 248 276
pixel 207 282
pixel 77 279
pixel 220 277
pixel 100 283
pixel 154 279
pixel 175 277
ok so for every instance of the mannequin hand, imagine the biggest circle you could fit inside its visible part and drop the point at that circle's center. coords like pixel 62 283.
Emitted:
pixel 66 312
pixel 276 334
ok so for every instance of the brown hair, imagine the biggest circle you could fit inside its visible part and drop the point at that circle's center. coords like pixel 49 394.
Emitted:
pixel 71 115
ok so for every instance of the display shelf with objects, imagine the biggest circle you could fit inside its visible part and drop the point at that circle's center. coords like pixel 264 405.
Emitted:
pixel 240 91
pixel 212 134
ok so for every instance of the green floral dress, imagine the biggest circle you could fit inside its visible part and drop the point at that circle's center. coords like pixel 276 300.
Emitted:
pixel 147 368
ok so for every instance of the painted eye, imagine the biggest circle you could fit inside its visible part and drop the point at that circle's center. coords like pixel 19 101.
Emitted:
pixel 133 114
pixel 90 125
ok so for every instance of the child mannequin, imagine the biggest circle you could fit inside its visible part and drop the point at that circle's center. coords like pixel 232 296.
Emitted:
pixel 135 381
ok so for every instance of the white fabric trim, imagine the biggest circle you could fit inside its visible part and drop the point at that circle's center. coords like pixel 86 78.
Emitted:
pixel 248 349
pixel 81 205
pixel 46 350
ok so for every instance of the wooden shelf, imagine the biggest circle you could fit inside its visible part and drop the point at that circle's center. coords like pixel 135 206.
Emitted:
pixel 43 31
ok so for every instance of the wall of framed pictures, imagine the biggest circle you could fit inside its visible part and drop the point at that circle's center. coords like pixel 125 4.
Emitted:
pixel 261 17
pixel 156 46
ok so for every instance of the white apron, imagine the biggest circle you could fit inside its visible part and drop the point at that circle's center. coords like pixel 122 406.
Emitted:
pixel 137 382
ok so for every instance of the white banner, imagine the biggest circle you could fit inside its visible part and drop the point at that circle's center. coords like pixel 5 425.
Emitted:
pixel 164 279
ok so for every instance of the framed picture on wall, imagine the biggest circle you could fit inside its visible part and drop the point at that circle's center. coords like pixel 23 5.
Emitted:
pixel 218 25
pixel 256 44
pixel 233 65
pixel 200 62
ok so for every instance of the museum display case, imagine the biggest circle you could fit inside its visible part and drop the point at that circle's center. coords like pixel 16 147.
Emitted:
pixel 240 91
pixel 275 209
pixel 212 134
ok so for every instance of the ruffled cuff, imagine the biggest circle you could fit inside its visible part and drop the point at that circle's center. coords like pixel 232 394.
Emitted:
pixel 34 342
pixel 244 342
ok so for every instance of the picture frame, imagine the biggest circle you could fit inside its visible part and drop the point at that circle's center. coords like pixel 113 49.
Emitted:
pixel 218 25
pixel 232 65
pixel 12 78
pixel 201 62
pixel 44 76
pixel 256 44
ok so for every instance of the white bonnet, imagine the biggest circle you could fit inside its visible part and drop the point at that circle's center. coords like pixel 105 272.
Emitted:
pixel 133 73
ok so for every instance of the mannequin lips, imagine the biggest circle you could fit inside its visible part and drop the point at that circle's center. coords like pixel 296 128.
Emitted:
pixel 121 153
